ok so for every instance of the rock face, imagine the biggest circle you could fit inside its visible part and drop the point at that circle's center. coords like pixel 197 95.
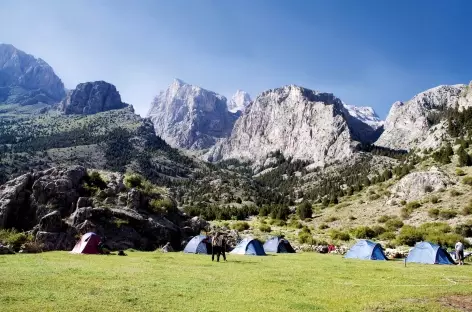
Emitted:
pixel 300 123
pixel 415 185
pixel 365 114
pixel 239 102
pixel 53 207
pixel 91 98
pixel 190 117
pixel 27 80
pixel 407 122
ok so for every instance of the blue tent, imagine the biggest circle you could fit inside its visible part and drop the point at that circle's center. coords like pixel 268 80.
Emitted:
pixel 198 244
pixel 278 245
pixel 426 252
pixel 249 246
pixel 366 250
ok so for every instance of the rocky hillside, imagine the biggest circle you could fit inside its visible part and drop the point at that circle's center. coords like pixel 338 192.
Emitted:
pixel 58 205
pixel 414 123
pixel 190 117
pixel 300 123
pixel 92 98
pixel 26 80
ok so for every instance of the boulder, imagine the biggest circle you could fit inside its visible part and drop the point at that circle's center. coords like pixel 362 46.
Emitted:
pixel 51 222
pixel 84 202
pixel 417 184
pixel 15 208
pixel 56 241
pixel 134 199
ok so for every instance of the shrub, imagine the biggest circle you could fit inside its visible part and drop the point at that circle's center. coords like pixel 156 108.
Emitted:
pixel 374 197
pixel 383 219
pixel 279 223
pixel 240 226
pixel 164 205
pixel 133 180
pixel 467 180
pixel 338 235
pixel 331 219
pixel 467 210
pixel 387 236
pixel 304 210
pixel 455 193
pixel 434 199
pixel 265 228
pixel 363 232
pixel 295 224
pixel 413 205
pixel 15 238
pixel 403 202
pixel 428 189
pixel 409 235
pixel 408 209
pixel 433 213
pixel 393 224
pixel 352 218
pixel 378 230
pixel 460 172
pixel 323 226
pixel 447 214
pixel 305 238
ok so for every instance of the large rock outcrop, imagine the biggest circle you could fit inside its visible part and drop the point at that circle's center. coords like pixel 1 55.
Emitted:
pixel 91 98
pixel 417 184
pixel 26 80
pixel 407 124
pixel 300 123
pixel 190 117
pixel 53 207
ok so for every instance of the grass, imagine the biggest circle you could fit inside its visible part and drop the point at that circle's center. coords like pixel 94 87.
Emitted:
pixel 179 282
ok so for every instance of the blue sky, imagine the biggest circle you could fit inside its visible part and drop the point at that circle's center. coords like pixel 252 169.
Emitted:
pixel 367 52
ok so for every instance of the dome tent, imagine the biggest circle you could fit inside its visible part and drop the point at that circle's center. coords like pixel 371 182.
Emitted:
pixel 366 250
pixel 199 245
pixel 88 244
pixel 249 246
pixel 429 253
pixel 278 245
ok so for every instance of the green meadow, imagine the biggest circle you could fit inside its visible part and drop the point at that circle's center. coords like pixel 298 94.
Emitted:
pixel 59 281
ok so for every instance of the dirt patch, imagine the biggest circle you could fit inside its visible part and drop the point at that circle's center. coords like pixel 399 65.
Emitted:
pixel 459 302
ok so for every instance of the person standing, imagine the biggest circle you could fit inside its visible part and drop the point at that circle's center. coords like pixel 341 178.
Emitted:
pixel 215 247
pixel 460 252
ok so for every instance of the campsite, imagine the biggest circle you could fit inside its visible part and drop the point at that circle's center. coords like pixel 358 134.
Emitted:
pixel 154 281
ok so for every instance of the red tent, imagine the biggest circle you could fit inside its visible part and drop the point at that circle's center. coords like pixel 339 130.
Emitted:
pixel 88 244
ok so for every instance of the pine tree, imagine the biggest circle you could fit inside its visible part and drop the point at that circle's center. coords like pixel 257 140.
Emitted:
pixel 464 158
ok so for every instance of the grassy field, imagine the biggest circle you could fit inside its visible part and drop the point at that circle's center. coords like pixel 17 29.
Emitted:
pixel 58 281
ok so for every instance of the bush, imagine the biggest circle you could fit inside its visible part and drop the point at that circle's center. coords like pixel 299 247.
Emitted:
pixel 409 235
pixel 164 205
pixel 331 219
pixel 408 209
pixel 352 218
pixel 384 218
pixel 393 224
pixel 378 230
pixel 133 180
pixel 467 180
pixel 323 226
pixel 455 193
pixel 240 226
pixel 434 199
pixel 460 172
pixel 265 228
pixel 413 205
pixel 279 222
pixel 374 197
pixel 14 238
pixel 467 210
pixel 433 213
pixel 295 224
pixel 428 189
pixel 338 235
pixel 304 210
pixel 387 236
pixel 447 214
pixel 305 238
pixel 363 232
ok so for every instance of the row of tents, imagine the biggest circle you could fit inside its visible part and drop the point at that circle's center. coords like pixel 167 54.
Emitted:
pixel 249 246
pixel 423 252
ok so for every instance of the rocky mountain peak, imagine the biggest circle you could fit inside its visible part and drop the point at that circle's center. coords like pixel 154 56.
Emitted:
pixel 299 122
pixel 239 101
pixel 190 117
pixel 91 98
pixel 365 114
pixel 26 80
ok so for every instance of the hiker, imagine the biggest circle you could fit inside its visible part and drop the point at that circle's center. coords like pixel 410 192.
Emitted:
pixel 460 252
pixel 218 246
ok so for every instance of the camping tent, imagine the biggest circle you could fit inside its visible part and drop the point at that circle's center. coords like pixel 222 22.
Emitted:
pixel 278 245
pixel 366 250
pixel 198 244
pixel 426 252
pixel 249 246
pixel 88 244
